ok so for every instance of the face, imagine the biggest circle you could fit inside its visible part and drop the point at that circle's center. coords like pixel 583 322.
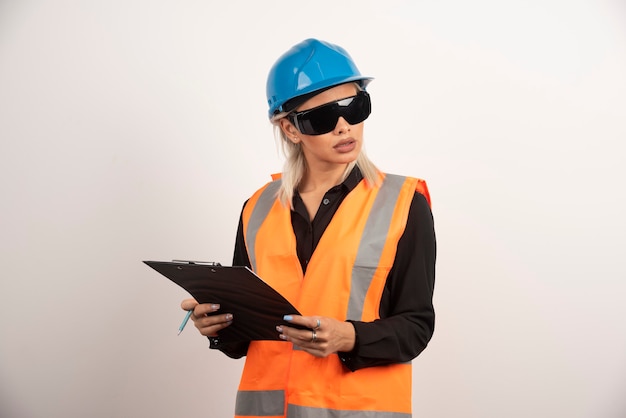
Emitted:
pixel 341 145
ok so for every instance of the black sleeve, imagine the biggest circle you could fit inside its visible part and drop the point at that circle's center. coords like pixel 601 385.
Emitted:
pixel 407 314
pixel 240 258
pixel 240 255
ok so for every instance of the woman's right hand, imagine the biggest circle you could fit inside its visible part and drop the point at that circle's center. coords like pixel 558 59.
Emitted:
pixel 203 318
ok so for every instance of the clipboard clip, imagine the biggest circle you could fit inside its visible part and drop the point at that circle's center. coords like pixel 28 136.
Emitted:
pixel 205 263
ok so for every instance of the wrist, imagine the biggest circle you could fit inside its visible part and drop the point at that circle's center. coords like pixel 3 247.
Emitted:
pixel 349 341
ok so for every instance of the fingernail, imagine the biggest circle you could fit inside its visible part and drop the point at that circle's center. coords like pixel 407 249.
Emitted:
pixel 229 317
pixel 287 317
pixel 215 306
pixel 279 328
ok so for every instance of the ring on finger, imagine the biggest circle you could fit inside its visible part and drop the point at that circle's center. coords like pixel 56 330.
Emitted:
pixel 313 336
pixel 319 324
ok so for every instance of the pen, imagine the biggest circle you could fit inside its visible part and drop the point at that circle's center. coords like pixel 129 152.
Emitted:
pixel 182 326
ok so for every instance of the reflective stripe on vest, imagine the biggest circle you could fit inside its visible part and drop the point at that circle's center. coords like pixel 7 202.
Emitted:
pixel 263 403
pixel 373 236
pixel 294 411
pixel 261 209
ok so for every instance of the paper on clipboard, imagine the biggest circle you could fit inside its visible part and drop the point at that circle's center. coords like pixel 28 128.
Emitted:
pixel 256 307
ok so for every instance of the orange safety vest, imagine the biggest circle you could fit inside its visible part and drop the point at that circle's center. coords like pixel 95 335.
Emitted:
pixel 344 279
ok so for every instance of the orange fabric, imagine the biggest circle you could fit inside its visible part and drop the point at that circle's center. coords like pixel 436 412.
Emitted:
pixel 324 290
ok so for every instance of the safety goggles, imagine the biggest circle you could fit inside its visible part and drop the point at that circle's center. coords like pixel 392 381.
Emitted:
pixel 323 119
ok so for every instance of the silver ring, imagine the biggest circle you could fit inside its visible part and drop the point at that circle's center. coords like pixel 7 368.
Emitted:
pixel 319 324
pixel 313 336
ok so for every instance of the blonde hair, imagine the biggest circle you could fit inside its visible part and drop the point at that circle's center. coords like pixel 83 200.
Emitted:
pixel 295 165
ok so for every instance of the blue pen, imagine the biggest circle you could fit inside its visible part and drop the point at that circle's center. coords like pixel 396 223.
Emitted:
pixel 182 326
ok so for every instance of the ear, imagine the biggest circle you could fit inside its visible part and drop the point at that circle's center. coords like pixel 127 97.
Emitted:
pixel 289 130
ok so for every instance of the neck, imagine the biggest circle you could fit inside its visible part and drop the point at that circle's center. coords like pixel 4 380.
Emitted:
pixel 321 179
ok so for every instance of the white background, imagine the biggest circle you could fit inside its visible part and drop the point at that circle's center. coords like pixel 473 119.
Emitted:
pixel 135 129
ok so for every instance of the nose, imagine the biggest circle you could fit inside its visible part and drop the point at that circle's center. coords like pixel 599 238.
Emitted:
pixel 342 126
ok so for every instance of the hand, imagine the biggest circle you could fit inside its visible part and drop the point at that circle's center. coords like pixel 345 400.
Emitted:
pixel 207 324
pixel 324 337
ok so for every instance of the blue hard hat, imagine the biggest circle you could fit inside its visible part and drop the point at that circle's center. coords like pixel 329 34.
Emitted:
pixel 309 66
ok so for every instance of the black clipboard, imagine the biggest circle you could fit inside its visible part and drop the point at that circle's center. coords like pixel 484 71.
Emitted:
pixel 256 307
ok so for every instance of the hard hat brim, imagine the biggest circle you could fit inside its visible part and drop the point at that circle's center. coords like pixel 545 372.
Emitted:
pixel 315 89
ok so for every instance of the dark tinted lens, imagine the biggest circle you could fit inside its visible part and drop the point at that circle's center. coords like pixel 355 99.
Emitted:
pixel 323 119
pixel 358 110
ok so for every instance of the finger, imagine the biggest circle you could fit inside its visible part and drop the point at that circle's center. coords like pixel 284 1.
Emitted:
pixel 298 336
pixel 313 322
pixel 188 304
pixel 211 325
pixel 205 308
pixel 296 320
pixel 212 320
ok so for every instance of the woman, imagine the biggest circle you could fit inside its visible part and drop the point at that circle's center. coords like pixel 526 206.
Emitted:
pixel 352 248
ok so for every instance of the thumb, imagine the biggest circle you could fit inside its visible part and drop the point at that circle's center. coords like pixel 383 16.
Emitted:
pixel 188 304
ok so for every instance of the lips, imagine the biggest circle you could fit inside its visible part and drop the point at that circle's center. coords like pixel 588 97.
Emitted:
pixel 345 145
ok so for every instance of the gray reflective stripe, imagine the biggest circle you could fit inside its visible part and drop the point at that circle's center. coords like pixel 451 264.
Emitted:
pixel 263 403
pixel 372 243
pixel 260 211
pixel 295 411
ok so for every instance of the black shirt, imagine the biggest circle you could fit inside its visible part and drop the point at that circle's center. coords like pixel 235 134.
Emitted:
pixel 407 316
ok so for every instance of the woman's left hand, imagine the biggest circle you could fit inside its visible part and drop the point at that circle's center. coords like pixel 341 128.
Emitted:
pixel 323 337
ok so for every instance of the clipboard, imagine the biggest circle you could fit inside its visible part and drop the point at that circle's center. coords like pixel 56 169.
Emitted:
pixel 256 307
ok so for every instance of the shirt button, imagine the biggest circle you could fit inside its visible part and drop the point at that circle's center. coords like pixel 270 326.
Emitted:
pixel 326 201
